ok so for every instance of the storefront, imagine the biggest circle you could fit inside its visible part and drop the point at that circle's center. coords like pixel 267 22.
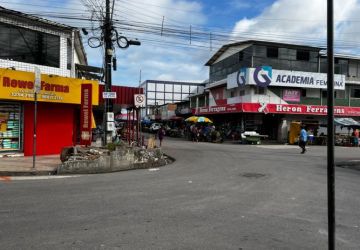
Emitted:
pixel 274 120
pixel 58 112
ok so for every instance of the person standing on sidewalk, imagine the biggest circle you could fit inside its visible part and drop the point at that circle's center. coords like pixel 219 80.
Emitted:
pixel 161 134
pixel 303 139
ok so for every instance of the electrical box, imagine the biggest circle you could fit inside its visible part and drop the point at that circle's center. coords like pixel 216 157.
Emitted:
pixel 110 116
pixel 110 126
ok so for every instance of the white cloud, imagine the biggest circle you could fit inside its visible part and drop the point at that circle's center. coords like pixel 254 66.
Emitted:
pixel 302 22
pixel 158 57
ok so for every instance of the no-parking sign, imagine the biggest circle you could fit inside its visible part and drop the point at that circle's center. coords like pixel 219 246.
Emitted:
pixel 139 100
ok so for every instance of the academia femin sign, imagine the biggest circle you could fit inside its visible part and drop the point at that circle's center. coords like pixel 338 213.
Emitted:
pixel 265 76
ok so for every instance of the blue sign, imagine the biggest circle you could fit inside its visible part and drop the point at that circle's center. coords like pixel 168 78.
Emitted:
pixel 241 77
pixel 263 76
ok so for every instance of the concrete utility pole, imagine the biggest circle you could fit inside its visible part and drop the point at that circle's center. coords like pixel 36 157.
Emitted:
pixel 108 59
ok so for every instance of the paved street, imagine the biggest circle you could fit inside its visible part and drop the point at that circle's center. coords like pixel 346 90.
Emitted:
pixel 215 196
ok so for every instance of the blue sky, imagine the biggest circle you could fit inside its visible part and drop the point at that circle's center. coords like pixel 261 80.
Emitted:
pixel 169 52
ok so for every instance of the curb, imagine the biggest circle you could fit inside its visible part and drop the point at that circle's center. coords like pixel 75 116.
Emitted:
pixel 27 173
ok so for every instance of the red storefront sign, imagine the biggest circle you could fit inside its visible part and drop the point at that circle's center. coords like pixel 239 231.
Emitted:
pixel 85 114
pixel 277 109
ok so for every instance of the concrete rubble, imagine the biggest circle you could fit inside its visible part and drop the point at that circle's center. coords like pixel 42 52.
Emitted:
pixel 86 160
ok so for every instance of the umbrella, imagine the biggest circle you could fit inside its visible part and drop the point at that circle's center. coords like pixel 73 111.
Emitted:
pixel 198 119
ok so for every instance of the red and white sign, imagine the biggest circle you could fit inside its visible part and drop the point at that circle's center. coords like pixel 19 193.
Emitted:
pixel 139 100
pixel 86 114
pixel 277 109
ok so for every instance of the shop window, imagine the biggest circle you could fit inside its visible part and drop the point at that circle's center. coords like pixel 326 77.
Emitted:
pixel 272 52
pixel 10 132
pixel 355 93
pixel 302 55
pixel 29 46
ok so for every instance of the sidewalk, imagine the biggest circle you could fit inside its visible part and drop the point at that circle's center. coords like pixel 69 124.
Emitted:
pixel 20 165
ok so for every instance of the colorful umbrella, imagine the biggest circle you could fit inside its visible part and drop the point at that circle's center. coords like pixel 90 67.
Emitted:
pixel 198 119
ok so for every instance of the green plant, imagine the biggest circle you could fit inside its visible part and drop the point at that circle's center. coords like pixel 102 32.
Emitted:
pixel 111 146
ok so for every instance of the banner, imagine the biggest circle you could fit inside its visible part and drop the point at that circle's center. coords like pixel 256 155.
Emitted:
pixel 19 85
pixel 86 114
pixel 291 95
pixel 277 109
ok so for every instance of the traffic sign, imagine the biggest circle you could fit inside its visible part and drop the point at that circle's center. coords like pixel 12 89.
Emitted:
pixel 109 95
pixel 139 100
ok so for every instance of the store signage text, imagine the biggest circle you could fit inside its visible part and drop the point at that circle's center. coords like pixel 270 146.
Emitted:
pixel 19 85
pixel 277 109
pixel 86 114
pixel 265 76
pixel 305 80
pixel 291 95
pixel 14 83
pixel 307 109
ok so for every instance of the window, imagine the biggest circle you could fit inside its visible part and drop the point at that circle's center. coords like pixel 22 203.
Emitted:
pixel 69 54
pixel 242 92
pixel 355 93
pixel 272 52
pixel 29 46
pixel 312 93
pixel 232 93
pixel 340 94
pixel 259 91
pixel 302 55
pixel 303 92
pixel 241 56
pixel 324 94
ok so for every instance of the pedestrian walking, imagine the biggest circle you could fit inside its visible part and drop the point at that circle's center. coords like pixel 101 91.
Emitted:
pixel 303 139
pixel 356 137
pixel 161 134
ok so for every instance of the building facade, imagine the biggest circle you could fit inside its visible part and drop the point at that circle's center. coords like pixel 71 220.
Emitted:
pixel 29 42
pixel 265 86
pixel 159 93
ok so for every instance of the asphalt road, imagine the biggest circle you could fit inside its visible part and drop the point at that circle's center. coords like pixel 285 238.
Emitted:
pixel 215 196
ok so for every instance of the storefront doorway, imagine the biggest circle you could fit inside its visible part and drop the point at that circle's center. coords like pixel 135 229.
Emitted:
pixel 270 126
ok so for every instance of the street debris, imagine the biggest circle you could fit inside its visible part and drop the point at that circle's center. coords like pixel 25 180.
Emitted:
pixel 114 157
pixel 81 153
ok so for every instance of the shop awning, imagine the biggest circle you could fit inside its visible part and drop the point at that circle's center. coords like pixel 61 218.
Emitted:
pixel 346 122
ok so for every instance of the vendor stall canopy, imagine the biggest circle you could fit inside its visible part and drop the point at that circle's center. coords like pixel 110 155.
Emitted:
pixel 346 122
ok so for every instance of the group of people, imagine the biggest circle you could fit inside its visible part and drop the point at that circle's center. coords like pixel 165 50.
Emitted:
pixel 204 132
pixel 303 138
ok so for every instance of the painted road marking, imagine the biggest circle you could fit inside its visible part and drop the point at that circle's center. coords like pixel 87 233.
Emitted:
pixel 5 178
pixel 29 178
pixel 278 146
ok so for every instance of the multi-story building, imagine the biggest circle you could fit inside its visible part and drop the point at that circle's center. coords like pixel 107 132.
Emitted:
pixel 27 40
pixel 30 44
pixel 264 86
pixel 159 93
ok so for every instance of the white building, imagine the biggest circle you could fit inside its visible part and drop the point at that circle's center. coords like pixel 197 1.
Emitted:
pixel 27 41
